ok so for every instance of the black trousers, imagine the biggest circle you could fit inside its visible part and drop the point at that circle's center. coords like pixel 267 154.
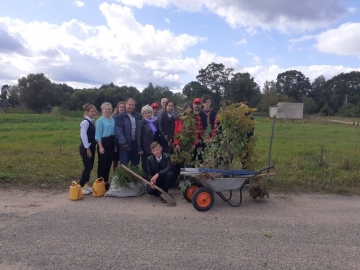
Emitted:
pixel 88 163
pixel 105 160
pixel 163 182
pixel 144 162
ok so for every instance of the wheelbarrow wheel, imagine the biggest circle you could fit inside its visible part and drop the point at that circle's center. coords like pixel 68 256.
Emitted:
pixel 189 191
pixel 203 199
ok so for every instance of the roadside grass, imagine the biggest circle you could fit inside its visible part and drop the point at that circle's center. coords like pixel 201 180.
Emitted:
pixel 313 155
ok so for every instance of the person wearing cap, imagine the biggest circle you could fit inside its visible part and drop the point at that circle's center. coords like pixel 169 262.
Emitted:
pixel 205 116
pixel 197 105
pixel 155 113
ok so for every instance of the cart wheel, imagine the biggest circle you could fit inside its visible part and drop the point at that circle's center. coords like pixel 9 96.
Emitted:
pixel 189 191
pixel 203 199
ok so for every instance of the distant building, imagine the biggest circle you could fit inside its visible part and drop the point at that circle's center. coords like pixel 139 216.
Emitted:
pixel 287 110
pixel 4 104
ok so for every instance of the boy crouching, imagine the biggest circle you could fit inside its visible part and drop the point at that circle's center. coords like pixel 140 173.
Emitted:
pixel 159 170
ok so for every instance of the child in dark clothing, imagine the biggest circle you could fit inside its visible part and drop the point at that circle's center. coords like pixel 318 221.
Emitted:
pixel 159 170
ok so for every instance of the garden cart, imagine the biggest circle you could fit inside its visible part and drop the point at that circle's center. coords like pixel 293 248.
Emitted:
pixel 201 192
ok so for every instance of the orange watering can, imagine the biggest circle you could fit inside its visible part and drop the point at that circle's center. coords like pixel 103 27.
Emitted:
pixel 99 187
pixel 75 192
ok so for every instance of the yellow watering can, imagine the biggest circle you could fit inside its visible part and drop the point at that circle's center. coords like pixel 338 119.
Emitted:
pixel 99 187
pixel 75 192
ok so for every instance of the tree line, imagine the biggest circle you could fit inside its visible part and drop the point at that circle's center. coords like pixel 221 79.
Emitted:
pixel 338 95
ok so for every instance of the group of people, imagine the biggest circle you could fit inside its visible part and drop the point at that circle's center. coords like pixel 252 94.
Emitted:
pixel 123 135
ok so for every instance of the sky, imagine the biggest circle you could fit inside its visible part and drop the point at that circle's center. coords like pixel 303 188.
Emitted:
pixel 134 42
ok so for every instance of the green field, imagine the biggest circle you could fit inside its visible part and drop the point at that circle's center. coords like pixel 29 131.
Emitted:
pixel 314 155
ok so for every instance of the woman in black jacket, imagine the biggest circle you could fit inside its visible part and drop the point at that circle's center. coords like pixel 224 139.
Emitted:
pixel 146 133
pixel 166 127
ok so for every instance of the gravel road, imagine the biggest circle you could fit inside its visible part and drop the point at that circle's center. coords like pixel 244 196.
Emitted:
pixel 45 230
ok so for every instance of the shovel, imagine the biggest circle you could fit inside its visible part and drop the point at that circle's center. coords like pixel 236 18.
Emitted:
pixel 163 194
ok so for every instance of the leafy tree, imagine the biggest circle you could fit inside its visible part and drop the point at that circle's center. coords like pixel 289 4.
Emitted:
pixel 318 92
pixel 310 105
pixel 241 88
pixel 269 96
pixel 195 89
pixel 293 83
pixel 215 77
pixel 4 92
pixel 14 95
pixel 326 110
pixel 343 88
pixel 36 91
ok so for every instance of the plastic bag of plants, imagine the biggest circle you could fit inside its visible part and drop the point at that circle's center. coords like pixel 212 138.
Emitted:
pixel 134 189
pixel 125 184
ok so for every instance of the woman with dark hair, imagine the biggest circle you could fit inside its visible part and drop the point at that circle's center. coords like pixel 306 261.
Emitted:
pixel 87 146
pixel 119 109
pixel 166 126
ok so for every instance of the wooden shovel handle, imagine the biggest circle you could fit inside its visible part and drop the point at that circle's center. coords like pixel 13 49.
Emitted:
pixel 141 178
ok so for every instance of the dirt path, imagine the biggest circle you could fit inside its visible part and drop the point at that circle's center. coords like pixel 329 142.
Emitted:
pixel 44 230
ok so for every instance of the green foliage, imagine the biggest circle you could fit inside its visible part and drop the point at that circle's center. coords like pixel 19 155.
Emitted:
pixel 293 84
pixel 123 177
pixel 233 145
pixel 326 110
pixel 241 88
pixel 186 137
pixel 310 106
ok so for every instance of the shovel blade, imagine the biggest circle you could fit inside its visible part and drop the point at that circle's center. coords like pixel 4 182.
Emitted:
pixel 170 201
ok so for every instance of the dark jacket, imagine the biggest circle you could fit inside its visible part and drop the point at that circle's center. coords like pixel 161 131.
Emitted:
pixel 123 128
pixel 166 126
pixel 144 136
pixel 162 168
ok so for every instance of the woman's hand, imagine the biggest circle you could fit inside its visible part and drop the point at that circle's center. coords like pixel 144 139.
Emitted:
pixel 88 153
pixel 101 150
pixel 177 147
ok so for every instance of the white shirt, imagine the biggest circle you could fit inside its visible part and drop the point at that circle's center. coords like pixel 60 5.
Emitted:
pixel 159 159
pixel 84 125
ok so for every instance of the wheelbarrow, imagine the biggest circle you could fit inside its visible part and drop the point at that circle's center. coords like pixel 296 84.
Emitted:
pixel 201 192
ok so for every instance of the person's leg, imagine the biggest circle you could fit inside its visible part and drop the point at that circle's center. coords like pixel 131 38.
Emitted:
pixel 152 191
pixel 144 162
pixel 124 157
pixel 88 166
pixel 109 153
pixel 134 158
pixel 166 181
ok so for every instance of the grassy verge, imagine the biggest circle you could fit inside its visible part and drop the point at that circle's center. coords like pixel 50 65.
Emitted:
pixel 314 155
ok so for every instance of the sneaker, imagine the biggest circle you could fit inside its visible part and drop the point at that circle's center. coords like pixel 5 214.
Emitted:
pixel 85 191
pixel 88 188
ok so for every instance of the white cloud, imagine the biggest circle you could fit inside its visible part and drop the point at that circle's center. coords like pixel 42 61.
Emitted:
pixel 240 42
pixel 344 40
pixel 352 9
pixel 167 20
pixel 79 3
pixel 119 52
pixel 278 14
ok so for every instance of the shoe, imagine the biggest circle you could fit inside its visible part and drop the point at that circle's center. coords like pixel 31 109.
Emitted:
pixel 107 186
pixel 88 188
pixel 162 200
pixel 85 191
